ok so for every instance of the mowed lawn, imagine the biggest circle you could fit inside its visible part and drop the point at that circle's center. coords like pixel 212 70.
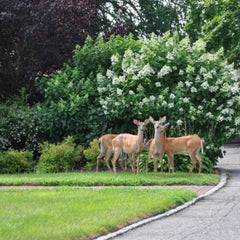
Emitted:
pixel 107 179
pixel 79 213
pixel 72 212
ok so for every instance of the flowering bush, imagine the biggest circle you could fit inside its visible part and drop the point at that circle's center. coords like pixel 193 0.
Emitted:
pixel 197 91
pixel 123 78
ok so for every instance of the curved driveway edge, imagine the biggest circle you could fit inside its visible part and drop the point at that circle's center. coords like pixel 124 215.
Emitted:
pixel 168 213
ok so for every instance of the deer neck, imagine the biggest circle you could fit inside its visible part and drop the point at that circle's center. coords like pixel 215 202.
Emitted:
pixel 159 138
pixel 140 137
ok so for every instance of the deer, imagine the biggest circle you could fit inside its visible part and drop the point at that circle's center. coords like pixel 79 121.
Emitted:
pixel 105 144
pixel 130 144
pixel 160 145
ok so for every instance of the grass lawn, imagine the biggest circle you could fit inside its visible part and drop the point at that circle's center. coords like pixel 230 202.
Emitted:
pixel 70 212
pixel 79 213
pixel 107 179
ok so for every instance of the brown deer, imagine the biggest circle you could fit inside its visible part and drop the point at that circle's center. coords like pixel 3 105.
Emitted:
pixel 130 144
pixel 160 145
pixel 105 144
pixel 106 149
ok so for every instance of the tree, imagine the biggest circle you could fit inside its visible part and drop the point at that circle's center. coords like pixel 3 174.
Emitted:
pixel 144 17
pixel 218 23
pixel 38 36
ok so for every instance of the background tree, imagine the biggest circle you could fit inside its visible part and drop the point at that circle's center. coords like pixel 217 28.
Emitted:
pixel 144 17
pixel 38 36
pixel 218 22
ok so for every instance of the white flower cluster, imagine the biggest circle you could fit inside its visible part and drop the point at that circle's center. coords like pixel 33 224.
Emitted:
pixel 199 45
pixel 115 59
pixel 164 71
pixel 209 115
pixel 118 80
pixel 193 90
pixel 190 69
pixel 147 70
pixel 119 91
pixel 152 98
pixel 100 78
pixel 205 85
pixel 179 122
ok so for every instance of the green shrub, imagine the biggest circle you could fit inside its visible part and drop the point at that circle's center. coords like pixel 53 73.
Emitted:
pixel 13 161
pixel 72 106
pixel 59 157
pixel 91 154
pixel 20 125
pixel 123 78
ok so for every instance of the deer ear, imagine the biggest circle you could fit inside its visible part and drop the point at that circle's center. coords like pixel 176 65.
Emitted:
pixel 135 121
pixel 166 125
pixel 151 119
pixel 163 119
pixel 146 121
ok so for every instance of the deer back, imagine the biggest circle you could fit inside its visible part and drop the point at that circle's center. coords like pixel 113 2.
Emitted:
pixel 126 142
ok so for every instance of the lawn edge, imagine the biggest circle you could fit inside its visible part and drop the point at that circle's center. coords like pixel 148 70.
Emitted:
pixel 123 230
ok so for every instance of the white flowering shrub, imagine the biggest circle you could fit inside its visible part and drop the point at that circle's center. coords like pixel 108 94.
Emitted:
pixel 107 84
pixel 197 91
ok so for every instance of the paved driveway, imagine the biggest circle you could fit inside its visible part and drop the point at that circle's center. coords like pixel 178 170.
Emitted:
pixel 215 217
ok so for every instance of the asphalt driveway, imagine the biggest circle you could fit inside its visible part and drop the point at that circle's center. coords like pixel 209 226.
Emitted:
pixel 214 217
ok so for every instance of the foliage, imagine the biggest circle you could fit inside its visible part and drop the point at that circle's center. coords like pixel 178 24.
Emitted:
pixel 20 125
pixel 218 22
pixel 197 91
pixel 107 179
pixel 77 213
pixel 145 17
pixel 59 157
pixel 91 154
pixel 38 36
pixel 71 98
pixel 163 75
pixel 13 161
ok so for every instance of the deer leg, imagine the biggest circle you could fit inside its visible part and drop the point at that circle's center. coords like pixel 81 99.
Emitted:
pixel 99 157
pixel 133 161
pixel 200 162
pixel 125 158
pixel 106 159
pixel 155 164
pixel 170 163
pixel 115 157
pixel 146 161
pixel 121 159
pixel 161 161
pixel 194 162
pixel 130 158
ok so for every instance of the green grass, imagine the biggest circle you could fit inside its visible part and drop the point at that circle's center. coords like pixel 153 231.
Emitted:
pixel 79 213
pixel 107 179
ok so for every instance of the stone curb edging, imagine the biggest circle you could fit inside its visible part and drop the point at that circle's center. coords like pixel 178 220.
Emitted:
pixel 168 213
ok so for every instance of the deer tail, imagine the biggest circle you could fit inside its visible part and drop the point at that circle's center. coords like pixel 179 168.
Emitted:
pixel 202 145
